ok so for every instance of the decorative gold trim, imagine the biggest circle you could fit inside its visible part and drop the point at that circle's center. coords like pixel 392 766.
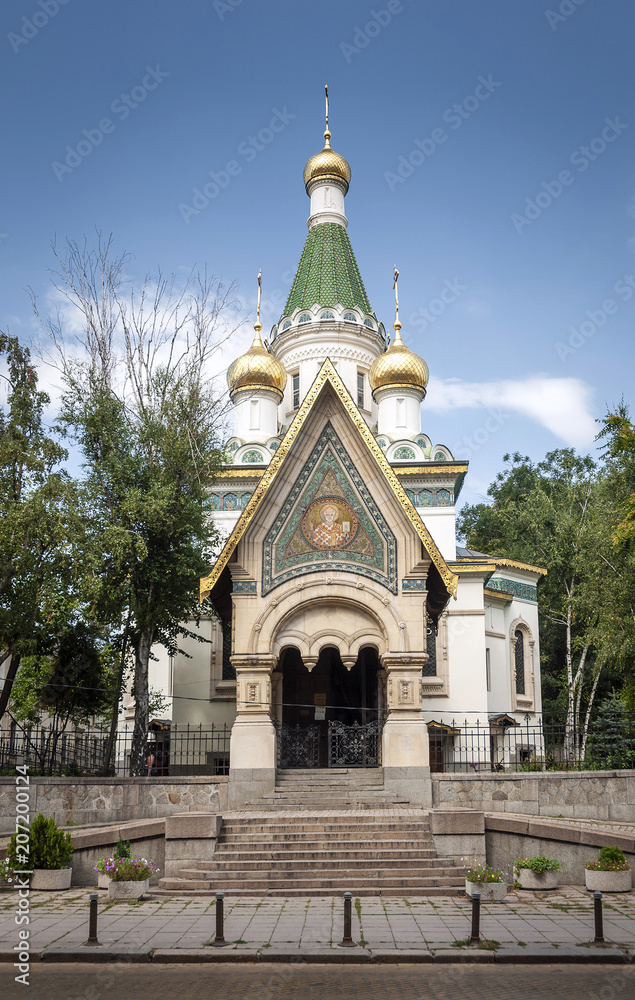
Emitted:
pixel 326 374
pixel 473 566
pixel 238 474
pixel 429 468
pixel 514 564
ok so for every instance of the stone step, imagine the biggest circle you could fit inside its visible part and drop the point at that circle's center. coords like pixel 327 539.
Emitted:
pixel 343 882
pixel 360 854
pixel 315 865
pixel 248 837
pixel 181 889
pixel 278 825
pixel 270 876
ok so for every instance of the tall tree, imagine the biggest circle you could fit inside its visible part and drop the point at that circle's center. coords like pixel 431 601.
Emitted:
pixel 39 525
pixel 141 404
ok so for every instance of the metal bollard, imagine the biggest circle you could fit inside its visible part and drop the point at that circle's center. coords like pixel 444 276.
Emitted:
pixel 219 940
pixel 599 923
pixel 92 921
pixel 476 918
pixel 347 940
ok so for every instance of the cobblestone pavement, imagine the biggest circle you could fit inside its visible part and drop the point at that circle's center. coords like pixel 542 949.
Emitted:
pixel 526 922
pixel 303 982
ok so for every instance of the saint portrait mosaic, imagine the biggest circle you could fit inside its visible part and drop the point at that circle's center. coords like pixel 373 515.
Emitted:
pixel 329 521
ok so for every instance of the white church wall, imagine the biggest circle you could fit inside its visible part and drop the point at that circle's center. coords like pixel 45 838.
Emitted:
pixel 440 522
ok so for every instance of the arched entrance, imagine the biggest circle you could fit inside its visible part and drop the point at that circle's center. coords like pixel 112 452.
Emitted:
pixel 328 711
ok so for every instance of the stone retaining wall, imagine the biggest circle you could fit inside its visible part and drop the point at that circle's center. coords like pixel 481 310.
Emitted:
pixel 88 801
pixel 573 844
pixel 596 795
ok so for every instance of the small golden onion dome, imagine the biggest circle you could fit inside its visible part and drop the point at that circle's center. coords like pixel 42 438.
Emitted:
pixel 327 165
pixel 398 367
pixel 257 369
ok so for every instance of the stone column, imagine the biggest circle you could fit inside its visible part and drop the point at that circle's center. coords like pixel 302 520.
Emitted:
pixel 252 755
pixel 405 746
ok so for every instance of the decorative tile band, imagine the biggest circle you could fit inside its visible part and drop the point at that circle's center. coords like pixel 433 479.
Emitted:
pixel 245 587
pixel 431 498
pixel 413 585
pixel 227 501
pixel 525 590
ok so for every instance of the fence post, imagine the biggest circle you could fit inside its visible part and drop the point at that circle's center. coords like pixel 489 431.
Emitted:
pixel 92 921
pixel 347 940
pixel 476 918
pixel 599 923
pixel 219 940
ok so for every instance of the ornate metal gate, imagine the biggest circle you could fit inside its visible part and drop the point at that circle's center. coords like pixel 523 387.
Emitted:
pixel 298 746
pixel 355 746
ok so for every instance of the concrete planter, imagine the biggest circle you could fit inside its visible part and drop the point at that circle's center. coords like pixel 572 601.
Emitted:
pixel 533 880
pixel 103 881
pixel 128 890
pixel 491 892
pixel 608 881
pixel 56 878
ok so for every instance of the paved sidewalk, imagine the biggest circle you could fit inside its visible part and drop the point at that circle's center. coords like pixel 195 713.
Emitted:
pixel 539 927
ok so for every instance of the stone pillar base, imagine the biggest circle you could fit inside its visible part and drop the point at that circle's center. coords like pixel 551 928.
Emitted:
pixel 252 744
pixel 248 784
pixel 413 783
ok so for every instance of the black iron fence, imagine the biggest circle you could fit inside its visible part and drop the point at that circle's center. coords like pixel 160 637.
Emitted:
pixel 177 750
pixel 533 745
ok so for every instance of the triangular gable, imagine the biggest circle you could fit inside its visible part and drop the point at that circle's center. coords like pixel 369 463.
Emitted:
pixel 327 374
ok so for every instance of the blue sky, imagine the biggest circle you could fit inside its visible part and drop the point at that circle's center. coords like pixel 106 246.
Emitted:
pixel 492 152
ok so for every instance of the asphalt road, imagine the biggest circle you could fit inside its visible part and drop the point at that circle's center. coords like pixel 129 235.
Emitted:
pixel 283 982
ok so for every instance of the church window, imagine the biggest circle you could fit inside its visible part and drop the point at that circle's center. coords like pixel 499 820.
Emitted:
pixel 234 446
pixel 254 415
pixel 404 454
pixel 274 332
pixel 286 325
pixel 327 315
pixel 439 456
pixel 382 443
pixel 430 666
pixel 360 389
pixel 296 390
pixel 519 659
pixel 488 670
pixel 252 457
pixel 305 318
pixel 401 413
pixel 350 317
pixel 368 322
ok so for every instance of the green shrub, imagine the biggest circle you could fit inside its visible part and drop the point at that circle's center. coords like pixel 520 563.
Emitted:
pixel 122 850
pixel 48 847
pixel 610 859
pixel 539 864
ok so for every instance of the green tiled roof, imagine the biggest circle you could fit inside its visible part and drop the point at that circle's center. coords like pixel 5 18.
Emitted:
pixel 327 272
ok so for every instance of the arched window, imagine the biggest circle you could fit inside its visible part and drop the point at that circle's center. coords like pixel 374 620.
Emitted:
pixel 430 667
pixel 350 317
pixel 519 660
pixel 327 315
pixel 305 318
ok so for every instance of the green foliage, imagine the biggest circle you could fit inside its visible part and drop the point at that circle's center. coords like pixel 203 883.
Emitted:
pixel 479 872
pixel 610 859
pixel 122 850
pixel 611 744
pixel 48 848
pixel 539 864
pixel 127 869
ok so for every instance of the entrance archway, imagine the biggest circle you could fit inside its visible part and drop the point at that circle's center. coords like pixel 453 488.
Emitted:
pixel 328 715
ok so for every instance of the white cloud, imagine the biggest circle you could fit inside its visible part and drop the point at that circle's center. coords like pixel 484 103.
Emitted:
pixel 562 405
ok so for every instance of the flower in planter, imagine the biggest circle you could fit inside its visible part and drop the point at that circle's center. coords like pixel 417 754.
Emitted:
pixel 483 873
pixel 538 865
pixel 610 859
pixel 129 869
pixel 6 870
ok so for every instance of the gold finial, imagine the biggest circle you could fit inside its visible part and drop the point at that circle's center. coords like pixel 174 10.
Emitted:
pixel 258 324
pixel 327 133
pixel 396 324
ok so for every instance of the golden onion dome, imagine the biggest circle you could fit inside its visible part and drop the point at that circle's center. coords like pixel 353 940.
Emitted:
pixel 257 369
pixel 398 367
pixel 327 165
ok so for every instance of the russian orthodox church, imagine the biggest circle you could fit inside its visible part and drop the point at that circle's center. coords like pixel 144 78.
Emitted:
pixel 348 629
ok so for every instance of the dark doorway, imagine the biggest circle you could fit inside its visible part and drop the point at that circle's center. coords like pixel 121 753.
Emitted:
pixel 329 693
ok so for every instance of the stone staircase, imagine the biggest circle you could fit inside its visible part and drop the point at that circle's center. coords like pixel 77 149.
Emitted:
pixel 321 834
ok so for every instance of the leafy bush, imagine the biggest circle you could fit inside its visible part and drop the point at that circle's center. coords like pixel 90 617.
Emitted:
pixel 49 847
pixel 128 869
pixel 539 864
pixel 610 859
pixel 122 850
